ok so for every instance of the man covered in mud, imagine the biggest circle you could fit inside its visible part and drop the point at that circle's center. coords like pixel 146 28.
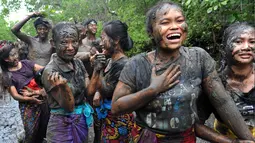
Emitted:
pixel 89 45
pixel 39 49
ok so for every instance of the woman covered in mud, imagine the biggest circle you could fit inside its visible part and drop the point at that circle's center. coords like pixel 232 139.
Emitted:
pixel 114 40
pixel 238 76
pixel 19 79
pixel 67 85
pixel 162 86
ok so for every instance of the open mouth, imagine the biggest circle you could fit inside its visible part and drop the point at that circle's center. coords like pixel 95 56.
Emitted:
pixel 174 37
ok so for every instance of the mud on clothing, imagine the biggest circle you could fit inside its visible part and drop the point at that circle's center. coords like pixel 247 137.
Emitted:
pixel 67 127
pixel 245 103
pixel 173 111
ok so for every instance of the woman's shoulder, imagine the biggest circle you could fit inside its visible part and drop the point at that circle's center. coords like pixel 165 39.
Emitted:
pixel 27 63
pixel 194 49
pixel 195 53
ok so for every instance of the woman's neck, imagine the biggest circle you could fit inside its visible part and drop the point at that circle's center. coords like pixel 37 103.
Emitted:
pixel 15 68
pixel 117 55
pixel 166 55
pixel 241 72
pixel 91 36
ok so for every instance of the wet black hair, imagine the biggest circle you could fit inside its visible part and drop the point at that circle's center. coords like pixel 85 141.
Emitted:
pixel 4 53
pixel 5 77
pixel 118 30
pixel 42 21
pixel 234 28
pixel 151 15
pixel 86 23
pixel 230 31
pixel 61 26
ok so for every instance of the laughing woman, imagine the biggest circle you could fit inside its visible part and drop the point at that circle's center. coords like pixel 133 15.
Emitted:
pixel 114 40
pixel 162 86
pixel 18 78
pixel 238 76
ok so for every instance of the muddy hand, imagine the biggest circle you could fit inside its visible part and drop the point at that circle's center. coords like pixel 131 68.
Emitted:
pixel 56 79
pixel 99 61
pixel 35 14
pixel 166 80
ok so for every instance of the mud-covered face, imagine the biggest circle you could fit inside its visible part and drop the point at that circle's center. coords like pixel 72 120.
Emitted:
pixel 67 43
pixel 13 59
pixel 242 45
pixel 107 44
pixel 42 31
pixel 169 27
pixel 92 27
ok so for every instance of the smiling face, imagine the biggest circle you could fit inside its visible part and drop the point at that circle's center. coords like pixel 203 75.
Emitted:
pixel 243 46
pixel 67 43
pixel 92 27
pixel 240 44
pixel 42 31
pixel 107 44
pixel 169 27
pixel 13 59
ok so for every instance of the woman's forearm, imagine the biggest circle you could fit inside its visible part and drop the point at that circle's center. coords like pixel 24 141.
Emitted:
pixel 225 107
pixel 209 134
pixel 123 103
pixel 93 83
pixel 63 94
pixel 16 28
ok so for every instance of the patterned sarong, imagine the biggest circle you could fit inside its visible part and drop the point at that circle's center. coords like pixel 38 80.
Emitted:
pixel 117 129
pixel 34 118
pixel 141 135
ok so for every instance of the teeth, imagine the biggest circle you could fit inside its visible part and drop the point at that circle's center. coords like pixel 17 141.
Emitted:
pixel 175 34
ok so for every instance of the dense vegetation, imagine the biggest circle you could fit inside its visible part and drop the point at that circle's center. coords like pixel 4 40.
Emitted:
pixel 206 18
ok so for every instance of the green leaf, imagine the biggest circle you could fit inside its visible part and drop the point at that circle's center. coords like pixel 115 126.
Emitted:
pixel 231 18
pixel 209 10
pixel 188 2
pixel 224 2
pixel 215 7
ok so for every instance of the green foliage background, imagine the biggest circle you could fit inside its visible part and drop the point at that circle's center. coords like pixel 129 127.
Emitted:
pixel 206 18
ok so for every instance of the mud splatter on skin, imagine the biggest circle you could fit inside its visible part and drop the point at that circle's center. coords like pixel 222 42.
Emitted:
pixel 157 30
pixel 224 105
pixel 230 39
pixel 63 35
pixel 184 27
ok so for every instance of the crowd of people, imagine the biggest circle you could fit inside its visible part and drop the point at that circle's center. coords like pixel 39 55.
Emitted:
pixel 72 81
